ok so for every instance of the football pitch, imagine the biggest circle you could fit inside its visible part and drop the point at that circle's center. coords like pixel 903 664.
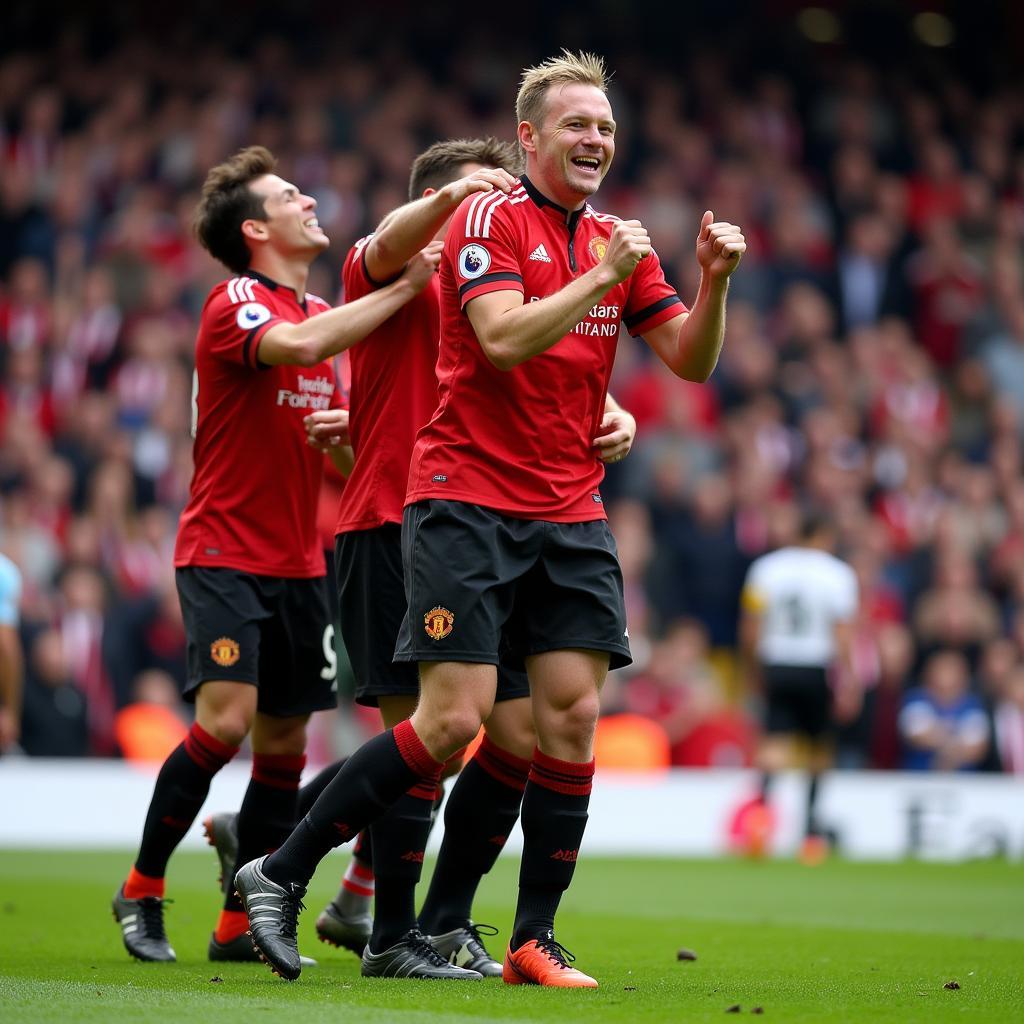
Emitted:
pixel 838 942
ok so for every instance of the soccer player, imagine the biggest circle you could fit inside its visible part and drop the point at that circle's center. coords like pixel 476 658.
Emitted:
pixel 394 394
pixel 798 605
pixel 249 565
pixel 10 655
pixel 504 533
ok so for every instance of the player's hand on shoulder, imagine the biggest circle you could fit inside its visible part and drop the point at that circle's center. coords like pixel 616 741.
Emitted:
pixel 327 428
pixel 720 246
pixel 422 267
pixel 487 179
pixel 628 245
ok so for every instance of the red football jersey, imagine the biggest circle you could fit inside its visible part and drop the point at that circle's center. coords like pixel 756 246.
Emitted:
pixel 393 394
pixel 252 504
pixel 521 441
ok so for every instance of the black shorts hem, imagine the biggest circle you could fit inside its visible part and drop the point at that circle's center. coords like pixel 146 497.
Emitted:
pixel 192 686
pixel 369 696
pixel 468 657
pixel 620 656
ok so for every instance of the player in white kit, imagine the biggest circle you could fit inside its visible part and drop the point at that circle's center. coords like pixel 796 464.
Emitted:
pixel 798 607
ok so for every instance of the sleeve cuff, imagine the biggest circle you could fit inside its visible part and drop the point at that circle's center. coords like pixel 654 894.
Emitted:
pixel 655 314
pixel 501 282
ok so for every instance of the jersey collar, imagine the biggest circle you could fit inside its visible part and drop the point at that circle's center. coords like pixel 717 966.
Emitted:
pixel 568 217
pixel 274 286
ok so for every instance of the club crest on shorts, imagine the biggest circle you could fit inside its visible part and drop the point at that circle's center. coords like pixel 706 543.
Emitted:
pixel 438 623
pixel 473 260
pixel 225 651
pixel 598 247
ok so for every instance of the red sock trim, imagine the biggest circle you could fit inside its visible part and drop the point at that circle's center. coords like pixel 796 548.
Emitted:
pixel 414 754
pixel 138 886
pixel 502 765
pixel 358 878
pixel 207 751
pixel 230 925
pixel 281 771
pixel 566 777
pixel 427 789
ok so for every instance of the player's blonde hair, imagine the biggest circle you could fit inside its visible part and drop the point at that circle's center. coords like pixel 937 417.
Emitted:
pixel 567 69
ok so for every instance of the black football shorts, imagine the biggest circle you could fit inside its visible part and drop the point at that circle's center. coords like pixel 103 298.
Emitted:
pixel 371 596
pixel 485 587
pixel 798 700
pixel 273 632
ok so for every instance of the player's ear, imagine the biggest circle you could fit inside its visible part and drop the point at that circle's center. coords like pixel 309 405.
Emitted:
pixel 254 230
pixel 428 192
pixel 527 136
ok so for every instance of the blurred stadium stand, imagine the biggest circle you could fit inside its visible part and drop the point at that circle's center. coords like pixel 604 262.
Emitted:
pixel 873 368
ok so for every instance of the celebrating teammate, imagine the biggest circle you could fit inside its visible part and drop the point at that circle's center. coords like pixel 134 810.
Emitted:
pixel 249 566
pixel 504 533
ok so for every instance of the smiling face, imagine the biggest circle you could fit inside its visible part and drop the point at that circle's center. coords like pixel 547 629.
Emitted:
pixel 569 153
pixel 291 226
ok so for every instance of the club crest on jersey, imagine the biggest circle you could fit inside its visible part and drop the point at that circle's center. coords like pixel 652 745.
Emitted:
pixel 225 651
pixel 438 623
pixel 251 315
pixel 473 260
pixel 598 247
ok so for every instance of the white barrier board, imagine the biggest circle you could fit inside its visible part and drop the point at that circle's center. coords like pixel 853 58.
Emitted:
pixel 876 815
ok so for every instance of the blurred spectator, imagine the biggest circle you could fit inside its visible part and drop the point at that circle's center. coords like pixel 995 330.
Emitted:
pixel 943 724
pixel 1009 723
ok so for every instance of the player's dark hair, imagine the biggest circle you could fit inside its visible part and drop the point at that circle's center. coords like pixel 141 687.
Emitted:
pixel 442 163
pixel 813 525
pixel 227 201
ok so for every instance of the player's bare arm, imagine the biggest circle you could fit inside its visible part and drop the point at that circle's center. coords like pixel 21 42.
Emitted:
pixel 618 429
pixel 510 331
pixel 320 337
pixel 690 344
pixel 405 231
pixel 10 686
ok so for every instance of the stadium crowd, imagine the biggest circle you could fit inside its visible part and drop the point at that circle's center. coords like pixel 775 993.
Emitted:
pixel 873 369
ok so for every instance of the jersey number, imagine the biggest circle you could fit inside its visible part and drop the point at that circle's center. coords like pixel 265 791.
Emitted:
pixel 796 616
pixel 330 669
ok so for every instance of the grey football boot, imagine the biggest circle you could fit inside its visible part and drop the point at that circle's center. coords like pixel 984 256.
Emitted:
pixel 221 831
pixel 346 922
pixel 465 948
pixel 413 957
pixel 142 927
pixel 273 917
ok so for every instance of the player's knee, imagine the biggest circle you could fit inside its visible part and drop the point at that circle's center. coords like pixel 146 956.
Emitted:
pixel 230 725
pixel 578 719
pixel 456 728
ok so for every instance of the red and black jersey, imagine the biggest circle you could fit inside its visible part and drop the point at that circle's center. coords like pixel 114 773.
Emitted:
pixel 252 504
pixel 393 394
pixel 521 441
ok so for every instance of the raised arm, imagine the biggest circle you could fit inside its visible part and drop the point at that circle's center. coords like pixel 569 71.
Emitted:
pixel 689 344
pixel 411 227
pixel 320 337
pixel 511 331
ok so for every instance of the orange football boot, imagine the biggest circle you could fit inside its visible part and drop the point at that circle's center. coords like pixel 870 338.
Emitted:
pixel 543 962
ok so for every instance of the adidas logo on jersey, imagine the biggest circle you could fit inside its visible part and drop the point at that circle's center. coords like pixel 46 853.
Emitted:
pixel 540 254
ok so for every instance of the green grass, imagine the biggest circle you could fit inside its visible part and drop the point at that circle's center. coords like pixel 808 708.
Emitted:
pixel 841 942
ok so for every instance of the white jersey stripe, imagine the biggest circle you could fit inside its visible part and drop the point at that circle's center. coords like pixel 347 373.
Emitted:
pixel 248 285
pixel 232 295
pixel 483 209
pixel 472 211
pixel 490 214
